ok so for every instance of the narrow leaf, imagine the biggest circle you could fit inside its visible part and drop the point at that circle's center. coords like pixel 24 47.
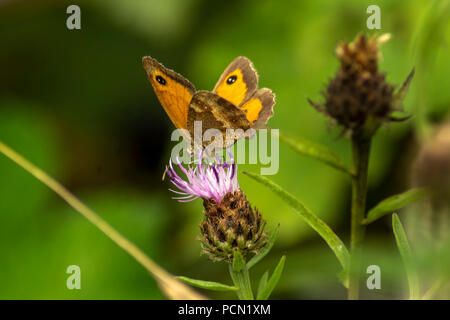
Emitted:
pixel 263 282
pixel 210 285
pixel 396 202
pixel 394 118
pixel 400 95
pixel 405 252
pixel 238 261
pixel 273 281
pixel 310 218
pixel 265 250
pixel 315 150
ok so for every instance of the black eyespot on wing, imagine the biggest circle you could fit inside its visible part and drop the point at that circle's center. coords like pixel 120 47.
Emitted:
pixel 161 80
pixel 231 79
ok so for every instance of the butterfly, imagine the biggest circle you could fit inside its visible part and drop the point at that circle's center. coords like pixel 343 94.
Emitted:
pixel 234 103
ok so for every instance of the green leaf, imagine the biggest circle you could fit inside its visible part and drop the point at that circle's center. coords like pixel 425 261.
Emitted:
pixel 210 285
pixel 405 252
pixel 310 218
pixel 316 151
pixel 238 261
pixel 265 250
pixel 273 281
pixel 263 282
pixel 395 202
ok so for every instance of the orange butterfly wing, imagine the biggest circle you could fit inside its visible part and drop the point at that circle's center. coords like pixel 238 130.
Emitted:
pixel 238 82
pixel 239 85
pixel 174 92
pixel 259 108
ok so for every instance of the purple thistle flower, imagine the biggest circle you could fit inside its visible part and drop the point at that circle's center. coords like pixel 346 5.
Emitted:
pixel 211 181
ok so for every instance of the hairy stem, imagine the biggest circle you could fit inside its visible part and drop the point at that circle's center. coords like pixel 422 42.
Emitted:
pixel 241 279
pixel 361 151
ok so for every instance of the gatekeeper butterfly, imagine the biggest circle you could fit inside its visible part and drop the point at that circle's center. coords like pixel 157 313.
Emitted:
pixel 235 102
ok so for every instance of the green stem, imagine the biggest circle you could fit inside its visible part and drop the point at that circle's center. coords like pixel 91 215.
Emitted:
pixel 241 279
pixel 361 150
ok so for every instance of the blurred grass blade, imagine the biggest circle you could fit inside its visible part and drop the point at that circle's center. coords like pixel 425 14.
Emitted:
pixel 172 288
pixel 273 281
pixel 343 277
pixel 314 150
pixel 405 252
pixel 210 285
pixel 314 221
pixel 262 282
pixel 395 202
pixel 437 285
pixel 400 95
pixel 265 250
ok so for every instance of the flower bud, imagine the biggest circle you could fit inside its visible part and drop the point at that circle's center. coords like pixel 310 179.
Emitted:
pixel 231 225
pixel 358 95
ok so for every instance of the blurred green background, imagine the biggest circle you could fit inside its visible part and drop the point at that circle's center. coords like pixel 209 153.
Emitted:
pixel 77 104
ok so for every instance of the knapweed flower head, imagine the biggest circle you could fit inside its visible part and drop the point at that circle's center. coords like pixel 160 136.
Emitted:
pixel 358 94
pixel 230 222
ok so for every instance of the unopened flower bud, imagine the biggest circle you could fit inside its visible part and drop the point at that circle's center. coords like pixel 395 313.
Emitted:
pixel 358 95
pixel 231 225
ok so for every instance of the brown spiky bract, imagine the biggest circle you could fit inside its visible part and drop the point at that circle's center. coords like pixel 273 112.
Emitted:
pixel 358 91
pixel 231 225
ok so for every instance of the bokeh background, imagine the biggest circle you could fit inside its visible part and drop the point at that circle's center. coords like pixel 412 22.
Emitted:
pixel 78 104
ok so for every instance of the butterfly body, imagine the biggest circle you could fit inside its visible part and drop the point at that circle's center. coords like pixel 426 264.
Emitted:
pixel 235 102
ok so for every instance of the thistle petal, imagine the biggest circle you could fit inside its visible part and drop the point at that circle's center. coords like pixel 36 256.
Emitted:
pixel 207 181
